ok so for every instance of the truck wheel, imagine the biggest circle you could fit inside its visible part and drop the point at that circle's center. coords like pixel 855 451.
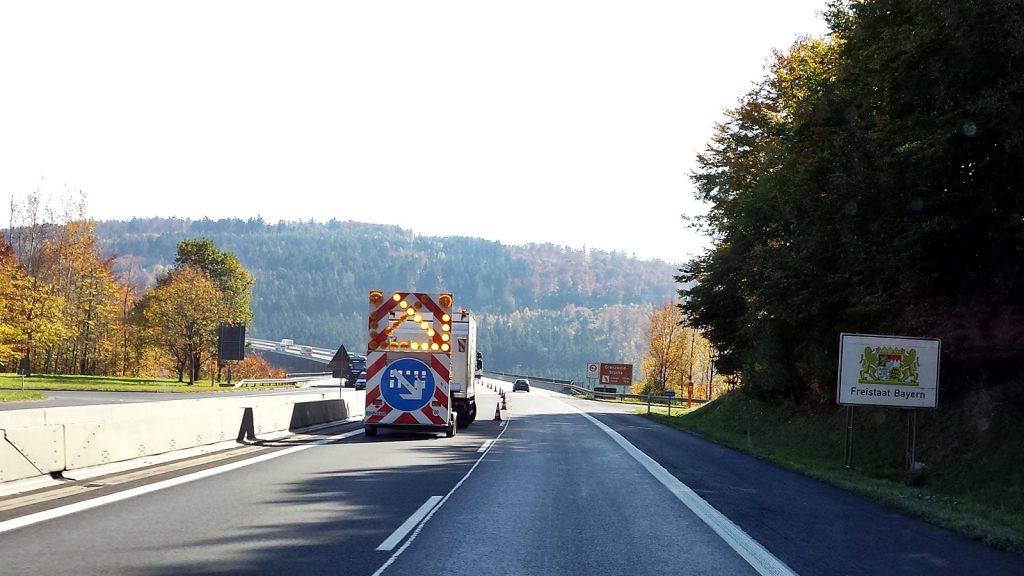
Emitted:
pixel 370 430
pixel 449 432
pixel 472 411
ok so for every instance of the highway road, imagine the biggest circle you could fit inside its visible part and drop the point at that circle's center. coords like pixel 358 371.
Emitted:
pixel 563 486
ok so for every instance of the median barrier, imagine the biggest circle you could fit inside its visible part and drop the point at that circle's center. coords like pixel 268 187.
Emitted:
pixel 307 414
pixel 31 451
pixel 11 419
pixel 49 440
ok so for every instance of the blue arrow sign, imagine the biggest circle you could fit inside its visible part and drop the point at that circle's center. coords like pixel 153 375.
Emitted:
pixel 407 384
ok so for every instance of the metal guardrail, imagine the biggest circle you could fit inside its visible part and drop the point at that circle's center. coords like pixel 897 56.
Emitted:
pixel 513 375
pixel 570 387
pixel 648 399
pixel 295 381
pixel 323 355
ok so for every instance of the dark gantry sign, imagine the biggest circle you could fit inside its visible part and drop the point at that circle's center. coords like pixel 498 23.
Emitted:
pixel 231 342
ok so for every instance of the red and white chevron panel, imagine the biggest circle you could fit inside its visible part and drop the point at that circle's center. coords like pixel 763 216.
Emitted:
pixel 434 412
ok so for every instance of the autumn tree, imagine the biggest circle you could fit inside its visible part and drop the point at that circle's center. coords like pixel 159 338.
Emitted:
pixel 666 348
pixel 224 268
pixel 73 268
pixel 57 249
pixel 181 314
pixel 13 284
pixel 130 342
pixel 256 366
pixel 29 312
pixel 206 287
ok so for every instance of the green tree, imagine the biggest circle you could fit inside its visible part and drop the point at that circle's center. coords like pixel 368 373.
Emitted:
pixel 870 183
pixel 752 294
pixel 225 270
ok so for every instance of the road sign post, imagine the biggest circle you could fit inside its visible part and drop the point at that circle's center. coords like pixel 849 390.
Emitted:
pixel 23 370
pixel 848 447
pixel 911 440
pixel 894 371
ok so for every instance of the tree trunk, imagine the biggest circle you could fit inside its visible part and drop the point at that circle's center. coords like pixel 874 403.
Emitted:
pixel 796 383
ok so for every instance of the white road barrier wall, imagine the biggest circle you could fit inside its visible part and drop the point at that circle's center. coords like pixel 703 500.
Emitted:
pixel 13 464
pixel 41 441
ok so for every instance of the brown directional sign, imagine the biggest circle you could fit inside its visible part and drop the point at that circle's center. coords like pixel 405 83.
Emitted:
pixel 616 374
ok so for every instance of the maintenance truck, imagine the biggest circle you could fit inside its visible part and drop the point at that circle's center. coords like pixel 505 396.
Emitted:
pixel 409 363
pixel 467 366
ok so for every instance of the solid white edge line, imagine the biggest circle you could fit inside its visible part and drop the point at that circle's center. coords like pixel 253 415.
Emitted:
pixel 407 526
pixel 759 558
pixel 419 528
pixel 45 515
pixel 485 446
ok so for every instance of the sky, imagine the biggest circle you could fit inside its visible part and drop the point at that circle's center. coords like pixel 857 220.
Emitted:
pixel 570 122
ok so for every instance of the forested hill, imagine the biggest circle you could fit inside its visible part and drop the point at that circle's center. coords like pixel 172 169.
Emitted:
pixel 542 309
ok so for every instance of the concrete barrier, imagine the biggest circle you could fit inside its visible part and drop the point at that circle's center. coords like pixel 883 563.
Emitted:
pixel 32 451
pixel 42 446
pixel 47 440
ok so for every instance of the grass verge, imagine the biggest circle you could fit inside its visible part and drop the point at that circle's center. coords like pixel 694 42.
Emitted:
pixel 972 481
pixel 106 384
pixel 20 396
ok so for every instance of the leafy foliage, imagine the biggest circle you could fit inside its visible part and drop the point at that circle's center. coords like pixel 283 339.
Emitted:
pixel 871 183
pixel 255 366
pixel 65 309
pixel 233 280
pixel 181 315
pixel 13 284
pixel 676 355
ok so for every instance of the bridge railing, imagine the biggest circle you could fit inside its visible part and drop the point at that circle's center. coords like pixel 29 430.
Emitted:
pixel 296 380
pixel 570 387
pixel 649 399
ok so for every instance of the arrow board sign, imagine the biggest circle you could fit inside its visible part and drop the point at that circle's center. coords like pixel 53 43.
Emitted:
pixel 408 384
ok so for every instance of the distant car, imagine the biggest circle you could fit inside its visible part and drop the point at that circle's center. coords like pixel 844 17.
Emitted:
pixel 521 384
pixel 361 381
pixel 356 369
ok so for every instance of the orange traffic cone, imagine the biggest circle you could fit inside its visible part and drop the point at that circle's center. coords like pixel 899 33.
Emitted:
pixel 504 403
pixel 497 412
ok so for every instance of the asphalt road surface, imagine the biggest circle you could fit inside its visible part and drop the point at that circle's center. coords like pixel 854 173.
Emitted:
pixel 551 490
